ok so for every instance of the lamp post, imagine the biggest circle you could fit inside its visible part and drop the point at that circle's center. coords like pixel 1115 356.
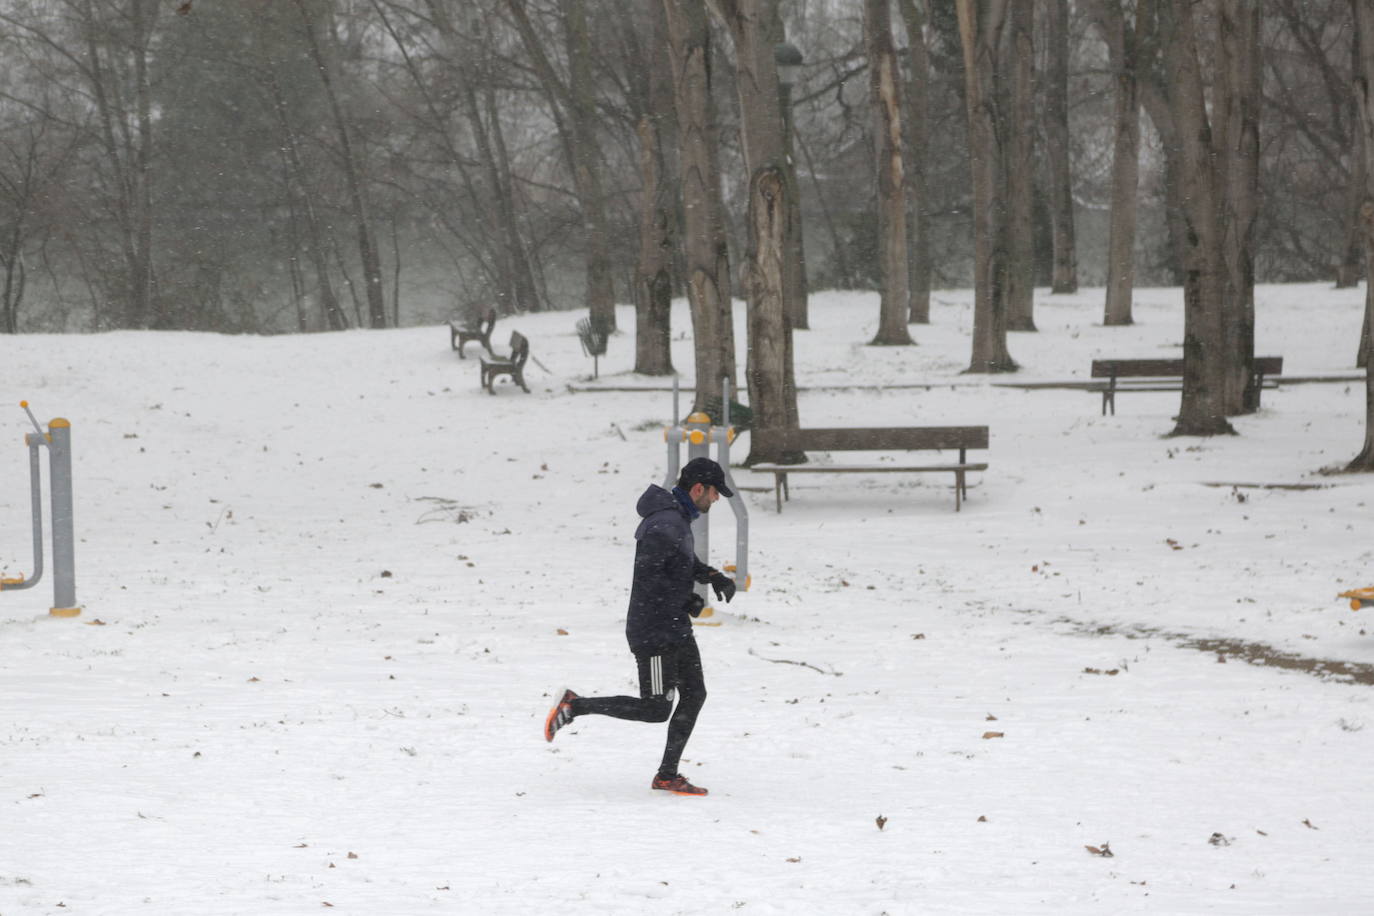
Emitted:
pixel 788 58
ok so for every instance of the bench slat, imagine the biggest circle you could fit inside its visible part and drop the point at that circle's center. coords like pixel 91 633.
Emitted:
pixel 862 468
pixel 871 438
pixel 1165 368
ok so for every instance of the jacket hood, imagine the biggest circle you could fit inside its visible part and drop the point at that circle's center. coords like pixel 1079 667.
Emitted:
pixel 655 499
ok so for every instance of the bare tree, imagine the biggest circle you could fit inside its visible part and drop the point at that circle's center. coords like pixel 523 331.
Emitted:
pixel 1205 354
pixel 653 280
pixel 704 240
pixel 1123 44
pixel 885 93
pixel 32 160
pixel 916 130
pixel 325 64
pixel 982 24
pixel 772 385
pixel 1065 276
pixel 1018 127
pixel 574 110
pixel 1364 99
pixel 1237 112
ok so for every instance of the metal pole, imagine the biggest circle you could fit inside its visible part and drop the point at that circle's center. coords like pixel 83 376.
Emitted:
pixel 63 528
pixel 36 500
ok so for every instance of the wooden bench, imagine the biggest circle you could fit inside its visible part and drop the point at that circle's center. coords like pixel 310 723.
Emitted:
pixel 478 329
pixel 1162 375
pixel 894 438
pixel 513 365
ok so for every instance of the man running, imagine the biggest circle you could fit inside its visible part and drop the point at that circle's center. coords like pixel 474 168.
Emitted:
pixel 658 625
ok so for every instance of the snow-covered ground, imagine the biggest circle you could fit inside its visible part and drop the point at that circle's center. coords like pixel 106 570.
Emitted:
pixel 331 588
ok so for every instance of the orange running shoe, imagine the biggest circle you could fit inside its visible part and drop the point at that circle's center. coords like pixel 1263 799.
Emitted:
pixel 677 784
pixel 560 715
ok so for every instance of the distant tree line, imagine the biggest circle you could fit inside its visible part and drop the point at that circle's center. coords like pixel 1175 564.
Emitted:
pixel 297 165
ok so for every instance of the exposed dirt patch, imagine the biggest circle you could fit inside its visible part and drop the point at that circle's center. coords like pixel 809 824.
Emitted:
pixel 1255 653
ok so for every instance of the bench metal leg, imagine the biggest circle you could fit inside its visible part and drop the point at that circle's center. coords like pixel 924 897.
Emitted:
pixel 777 490
pixel 958 489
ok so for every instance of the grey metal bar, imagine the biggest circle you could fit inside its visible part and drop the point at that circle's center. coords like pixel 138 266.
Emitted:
pixel 63 526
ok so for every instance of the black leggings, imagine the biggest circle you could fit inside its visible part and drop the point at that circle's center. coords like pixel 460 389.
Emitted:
pixel 675 668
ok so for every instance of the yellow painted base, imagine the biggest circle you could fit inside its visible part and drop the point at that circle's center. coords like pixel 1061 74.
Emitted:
pixel 1359 597
pixel 64 611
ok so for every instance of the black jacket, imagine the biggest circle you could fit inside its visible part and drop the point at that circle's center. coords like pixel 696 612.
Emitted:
pixel 666 566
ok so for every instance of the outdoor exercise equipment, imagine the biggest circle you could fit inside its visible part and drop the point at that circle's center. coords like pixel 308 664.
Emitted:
pixel 699 433
pixel 1359 597
pixel 58 441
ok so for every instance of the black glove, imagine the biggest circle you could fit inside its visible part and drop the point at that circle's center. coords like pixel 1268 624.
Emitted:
pixel 724 586
pixel 695 604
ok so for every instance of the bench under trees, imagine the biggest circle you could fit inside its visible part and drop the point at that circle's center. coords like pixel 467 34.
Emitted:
pixel 958 439
pixel 512 365
pixel 1162 375
pixel 473 328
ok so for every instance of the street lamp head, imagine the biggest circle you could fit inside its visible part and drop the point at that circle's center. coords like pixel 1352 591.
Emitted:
pixel 789 60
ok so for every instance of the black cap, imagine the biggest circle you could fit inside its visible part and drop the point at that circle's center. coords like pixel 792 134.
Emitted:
pixel 704 471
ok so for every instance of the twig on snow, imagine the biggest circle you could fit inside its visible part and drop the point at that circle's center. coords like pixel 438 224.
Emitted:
pixel 787 661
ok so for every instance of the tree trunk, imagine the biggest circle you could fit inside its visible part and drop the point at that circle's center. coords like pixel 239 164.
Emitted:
pixel 653 277
pixel 1364 100
pixel 1124 44
pixel 1065 276
pixel 587 165
pixel 1019 129
pixel 981 23
pixel 653 283
pixel 1203 408
pixel 357 195
pixel 885 95
pixel 704 241
pixel 1350 267
pixel 917 135
pixel 772 382
pixel 1237 155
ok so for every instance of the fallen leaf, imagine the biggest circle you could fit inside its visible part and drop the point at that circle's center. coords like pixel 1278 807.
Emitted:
pixel 918 636
pixel 1217 839
pixel 386 574
pixel 795 860
pixel 302 845
pixel 254 680
pixel 562 632
pixel 95 623
pixel 1308 824
pixel 990 718
pixel 881 822
pixel 1105 851
pixel 982 818
pixel 987 735
pixel 353 855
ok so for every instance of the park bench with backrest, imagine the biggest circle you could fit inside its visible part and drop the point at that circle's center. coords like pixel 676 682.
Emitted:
pixel 473 327
pixel 1161 375
pixel 886 439
pixel 512 365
